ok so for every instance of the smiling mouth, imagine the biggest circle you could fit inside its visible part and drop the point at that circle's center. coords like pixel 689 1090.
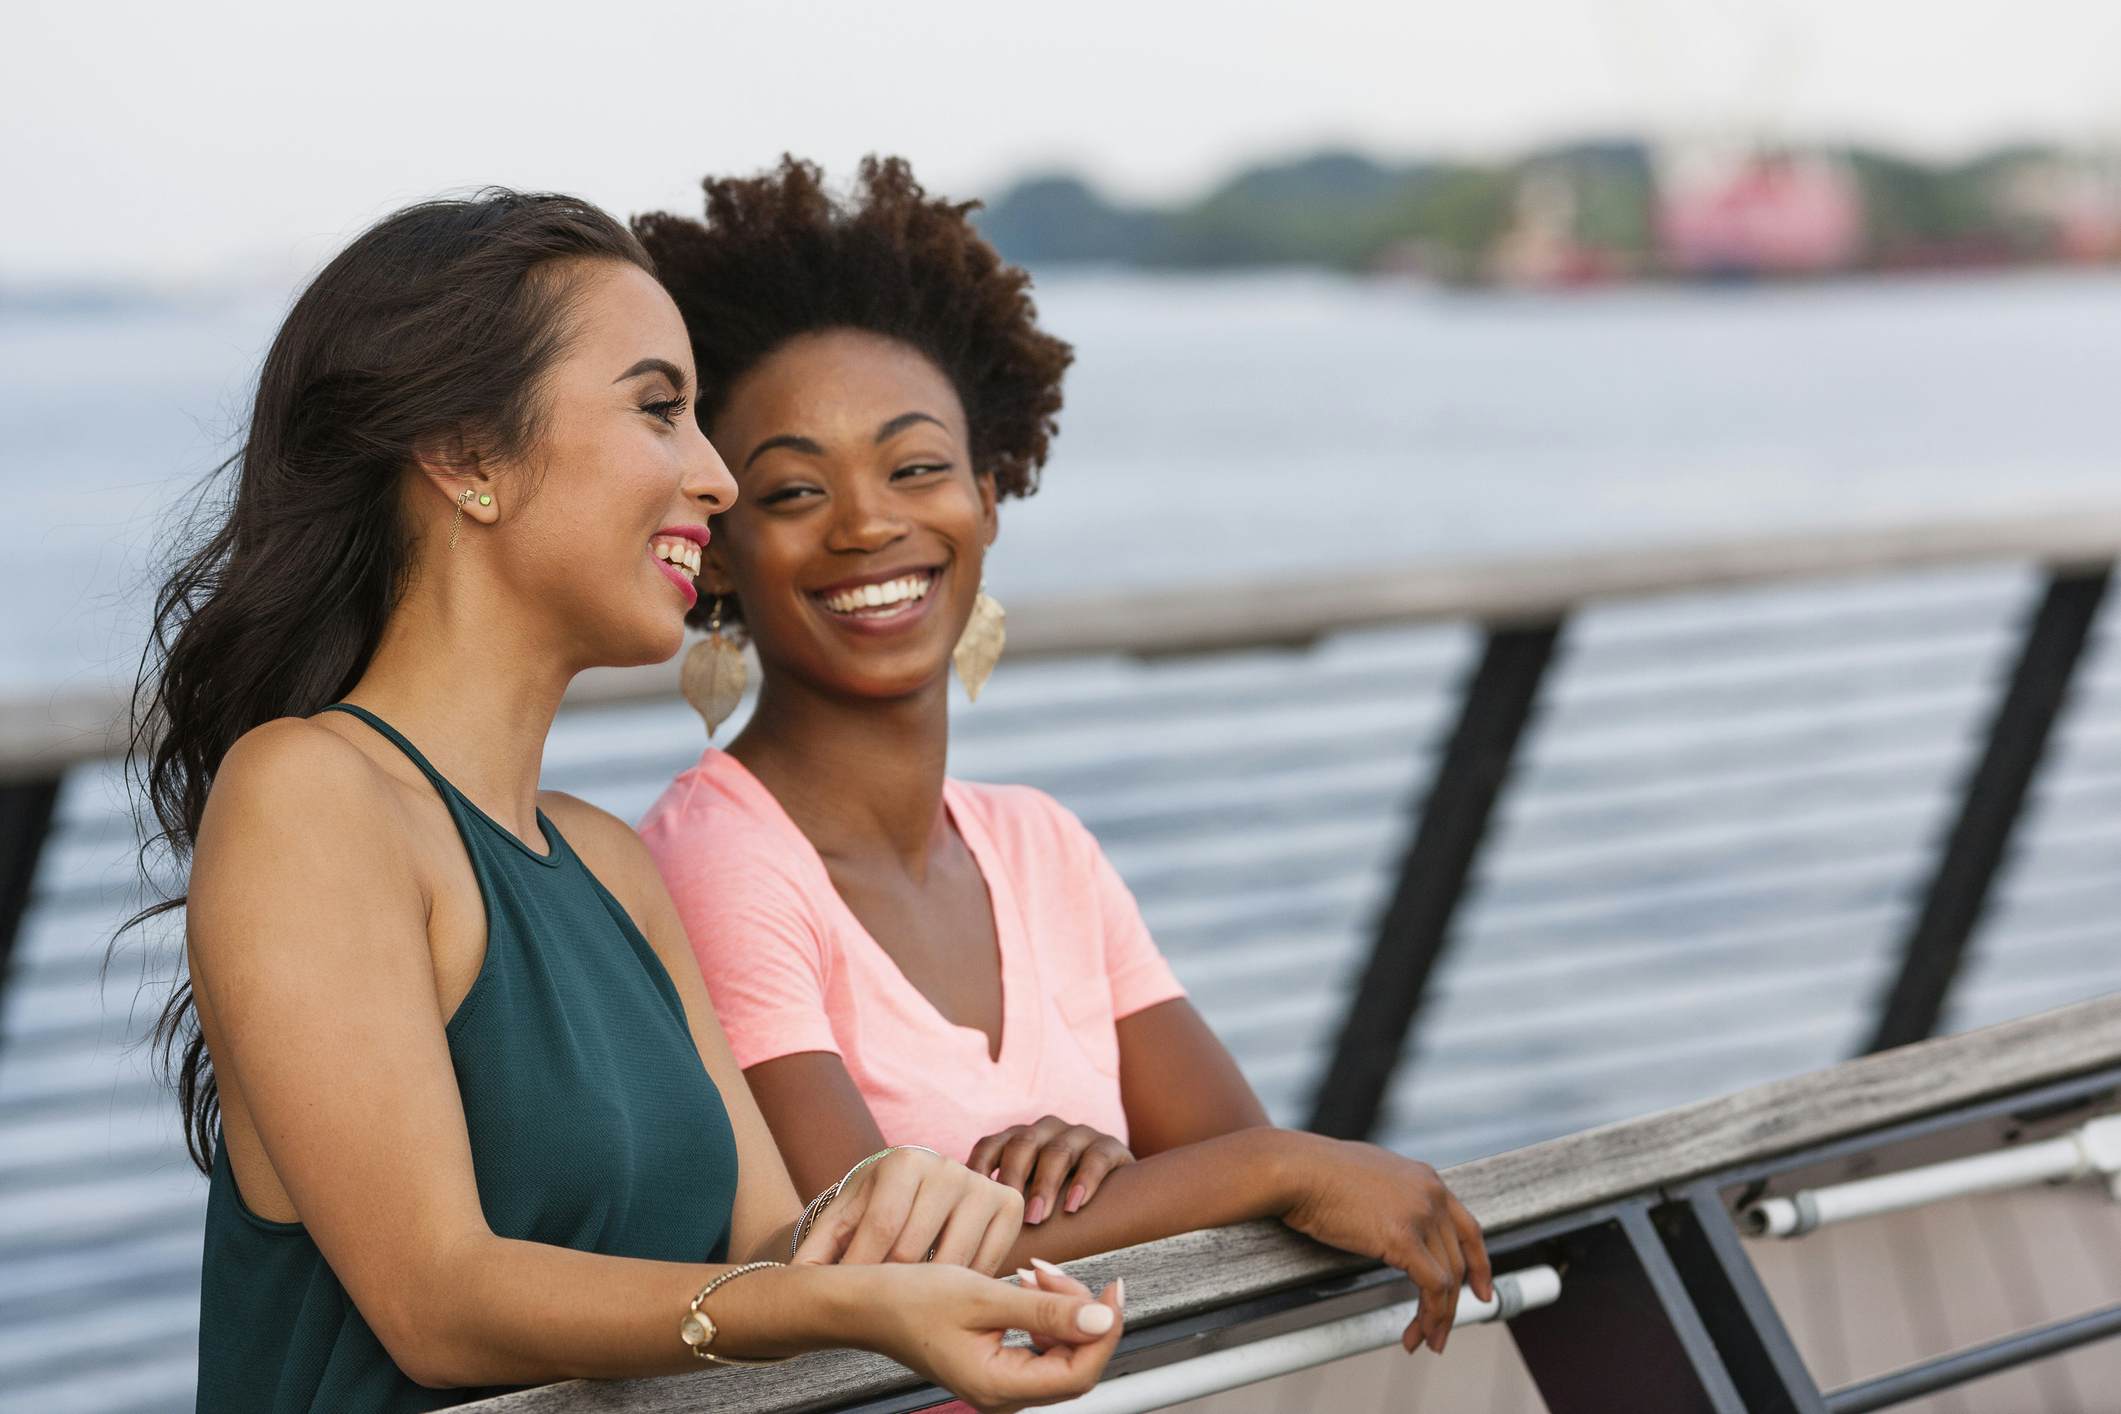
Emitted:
pixel 884 600
pixel 677 552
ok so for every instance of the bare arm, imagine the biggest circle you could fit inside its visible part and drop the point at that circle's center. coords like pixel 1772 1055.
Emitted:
pixel 1355 1196
pixel 1177 1082
pixel 817 1116
pixel 310 957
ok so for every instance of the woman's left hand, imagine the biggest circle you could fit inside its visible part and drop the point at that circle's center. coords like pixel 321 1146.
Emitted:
pixel 1361 1198
pixel 913 1206
pixel 1036 1159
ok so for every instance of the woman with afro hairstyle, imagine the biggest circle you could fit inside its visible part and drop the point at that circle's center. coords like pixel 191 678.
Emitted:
pixel 897 956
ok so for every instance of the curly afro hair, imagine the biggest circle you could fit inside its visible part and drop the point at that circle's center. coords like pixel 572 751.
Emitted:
pixel 778 256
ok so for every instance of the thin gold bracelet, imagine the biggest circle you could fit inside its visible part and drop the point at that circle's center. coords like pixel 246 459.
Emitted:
pixel 698 1329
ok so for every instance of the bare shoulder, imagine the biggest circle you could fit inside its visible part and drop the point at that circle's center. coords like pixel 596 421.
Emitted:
pixel 296 776
pixel 298 815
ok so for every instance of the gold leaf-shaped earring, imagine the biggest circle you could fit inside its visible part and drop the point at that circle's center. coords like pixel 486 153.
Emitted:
pixel 980 645
pixel 713 675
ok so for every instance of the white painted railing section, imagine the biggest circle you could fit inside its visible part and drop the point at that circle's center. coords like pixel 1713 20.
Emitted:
pixel 1233 1368
pixel 2092 1148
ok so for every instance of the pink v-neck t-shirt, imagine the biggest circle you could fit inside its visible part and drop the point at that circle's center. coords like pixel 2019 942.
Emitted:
pixel 791 969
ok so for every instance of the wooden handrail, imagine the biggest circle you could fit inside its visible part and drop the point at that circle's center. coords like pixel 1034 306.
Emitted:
pixel 43 735
pixel 1198 1271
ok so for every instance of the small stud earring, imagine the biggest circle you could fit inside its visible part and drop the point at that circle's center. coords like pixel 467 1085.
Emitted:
pixel 484 499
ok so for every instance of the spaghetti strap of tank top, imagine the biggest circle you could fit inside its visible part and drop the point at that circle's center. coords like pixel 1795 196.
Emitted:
pixel 470 818
pixel 397 738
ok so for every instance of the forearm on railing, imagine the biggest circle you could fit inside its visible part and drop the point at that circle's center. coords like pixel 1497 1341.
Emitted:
pixel 508 1312
pixel 1229 1179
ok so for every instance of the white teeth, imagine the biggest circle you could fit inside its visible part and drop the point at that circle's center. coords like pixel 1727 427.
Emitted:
pixel 682 554
pixel 878 596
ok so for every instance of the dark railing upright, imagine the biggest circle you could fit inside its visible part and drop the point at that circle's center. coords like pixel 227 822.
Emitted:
pixel 1450 825
pixel 26 809
pixel 1994 800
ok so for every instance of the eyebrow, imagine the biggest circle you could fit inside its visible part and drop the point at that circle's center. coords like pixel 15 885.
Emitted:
pixel 903 421
pixel 663 366
pixel 810 448
pixel 794 443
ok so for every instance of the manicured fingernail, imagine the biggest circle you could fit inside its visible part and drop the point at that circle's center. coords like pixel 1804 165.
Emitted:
pixel 1075 1197
pixel 1026 1276
pixel 1047 1267
pixel 1037 1214
pixel 1094 1319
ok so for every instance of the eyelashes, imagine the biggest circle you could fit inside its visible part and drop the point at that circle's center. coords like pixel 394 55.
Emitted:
pixel 668 411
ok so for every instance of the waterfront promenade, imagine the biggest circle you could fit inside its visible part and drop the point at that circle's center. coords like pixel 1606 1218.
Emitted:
pixel 1716 833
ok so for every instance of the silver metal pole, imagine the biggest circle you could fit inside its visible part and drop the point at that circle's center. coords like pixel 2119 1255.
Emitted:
pixel 1299 1350
pixel 2092 1148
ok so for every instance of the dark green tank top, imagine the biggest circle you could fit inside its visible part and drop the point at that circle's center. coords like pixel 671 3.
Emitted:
pixel 593 1125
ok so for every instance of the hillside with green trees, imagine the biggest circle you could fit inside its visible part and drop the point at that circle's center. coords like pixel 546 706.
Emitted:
pixel 1606 200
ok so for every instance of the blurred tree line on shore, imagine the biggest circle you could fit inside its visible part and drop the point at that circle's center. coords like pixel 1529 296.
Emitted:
pixel 1592 211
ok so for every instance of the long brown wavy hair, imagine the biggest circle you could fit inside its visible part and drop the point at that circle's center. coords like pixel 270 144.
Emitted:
pixel 440 320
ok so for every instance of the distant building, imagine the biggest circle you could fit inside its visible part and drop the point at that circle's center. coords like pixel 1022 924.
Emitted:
pixel 1759 214
pixel 1541 246
pixel 2075 200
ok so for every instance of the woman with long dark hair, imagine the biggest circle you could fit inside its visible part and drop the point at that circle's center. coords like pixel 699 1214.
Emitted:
pixel 469 1119
pixel 900 956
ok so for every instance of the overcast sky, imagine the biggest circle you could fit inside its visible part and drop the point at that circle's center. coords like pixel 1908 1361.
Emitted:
pixel 160 140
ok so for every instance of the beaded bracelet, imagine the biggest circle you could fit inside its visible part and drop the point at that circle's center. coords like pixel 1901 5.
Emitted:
pixel 824 1200
pixel 698 1329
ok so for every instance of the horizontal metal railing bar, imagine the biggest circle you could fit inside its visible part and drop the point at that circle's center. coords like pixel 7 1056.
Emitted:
pixel 43 735
pixel 168 1336
pixel 1161 867
pixel 1198 1271
pixel 171 1281
pixel 1587 688
pixel 120 892
pixel 1498 971
pixel 1664 847
pixel 1667 697
pixel 138 1386
pixel 1622 630
pixel 1492 1045
pixel 139 1219
pixel 26 1279
pixel 1764 886
pixel 1465 1086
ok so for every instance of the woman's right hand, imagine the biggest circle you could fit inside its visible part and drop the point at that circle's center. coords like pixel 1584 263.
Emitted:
pixel 914 1205
pixel 947 1323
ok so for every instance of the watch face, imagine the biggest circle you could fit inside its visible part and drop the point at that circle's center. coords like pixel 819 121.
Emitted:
pixel 698 1329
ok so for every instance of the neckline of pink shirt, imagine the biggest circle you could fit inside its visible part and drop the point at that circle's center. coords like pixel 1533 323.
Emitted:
pixel 1021 1016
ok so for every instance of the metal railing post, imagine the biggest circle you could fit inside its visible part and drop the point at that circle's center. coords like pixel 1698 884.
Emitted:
pixel 26 809
pixel 1626 1334
pixel 1448 834
pixel 1995 795
pixel 1741 1318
